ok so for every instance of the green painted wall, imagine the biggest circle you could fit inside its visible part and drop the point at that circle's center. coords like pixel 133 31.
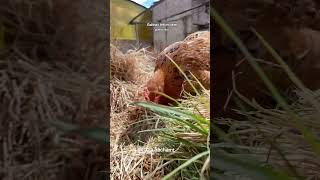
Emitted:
pixel 122 12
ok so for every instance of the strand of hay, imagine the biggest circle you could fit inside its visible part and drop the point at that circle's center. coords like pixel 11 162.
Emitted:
pixel 129 72
pixel 134 66
pixel 276 125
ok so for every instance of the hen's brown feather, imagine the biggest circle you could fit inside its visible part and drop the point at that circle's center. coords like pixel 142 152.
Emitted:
pixel 191 55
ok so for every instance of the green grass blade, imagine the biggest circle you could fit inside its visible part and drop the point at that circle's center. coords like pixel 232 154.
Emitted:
pixel 97 134
pixel 184 165
pixel 308 135
pixel 165 110
pixel 289 72
pixel 166 96
pixel 179 115
pixel 254 170
pixel 184 75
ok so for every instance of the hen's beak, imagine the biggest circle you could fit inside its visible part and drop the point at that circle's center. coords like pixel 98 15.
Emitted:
pixel 157 99
pixel 146 93
pixel 150 96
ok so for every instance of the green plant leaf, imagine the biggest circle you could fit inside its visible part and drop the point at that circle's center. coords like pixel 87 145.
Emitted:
pixel 95 133
pixel 173 113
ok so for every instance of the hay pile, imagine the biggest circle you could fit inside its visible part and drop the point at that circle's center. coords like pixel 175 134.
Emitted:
pixel 129 72
pixel 33 97
pixel 288 146
pixel 133 66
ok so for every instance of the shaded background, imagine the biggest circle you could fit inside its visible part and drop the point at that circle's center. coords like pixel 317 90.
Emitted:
pixel 53 76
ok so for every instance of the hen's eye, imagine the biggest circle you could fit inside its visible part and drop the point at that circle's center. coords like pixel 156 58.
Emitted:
pixel 178 77
pixel 188 74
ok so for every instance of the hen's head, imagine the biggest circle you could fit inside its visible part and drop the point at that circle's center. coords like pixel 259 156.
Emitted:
pixel 151 96
pixel 164 81
pixel 154 85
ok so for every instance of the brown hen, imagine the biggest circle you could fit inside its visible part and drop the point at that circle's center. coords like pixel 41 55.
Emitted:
pixel 191 55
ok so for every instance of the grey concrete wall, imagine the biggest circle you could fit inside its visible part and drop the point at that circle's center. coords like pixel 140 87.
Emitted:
pixel 168 35
pixel 200 16
pixel 185 22
pixel 169 7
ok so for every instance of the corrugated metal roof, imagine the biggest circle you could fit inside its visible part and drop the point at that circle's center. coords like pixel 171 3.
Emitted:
pixel 159 2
